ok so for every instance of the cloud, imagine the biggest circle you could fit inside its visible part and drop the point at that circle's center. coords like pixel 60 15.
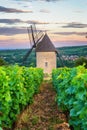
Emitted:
pixel 9 31
pixel 15 21
pixel 10 21
pixel 12 10
pixel 36 22
pixel 75 25
pixel 12 31
pixel 71 33
pixel 44 11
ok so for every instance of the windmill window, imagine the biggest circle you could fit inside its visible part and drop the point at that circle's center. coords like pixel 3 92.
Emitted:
pixel 46 64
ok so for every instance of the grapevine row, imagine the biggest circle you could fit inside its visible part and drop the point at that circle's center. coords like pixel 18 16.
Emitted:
pixel 17 87
pixel 71 88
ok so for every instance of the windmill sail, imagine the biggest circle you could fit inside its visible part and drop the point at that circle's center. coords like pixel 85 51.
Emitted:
pixel 34 39
pixel 41 35
pixel 29 36
pixel 27 54
pixel 32 44
pixel 36 35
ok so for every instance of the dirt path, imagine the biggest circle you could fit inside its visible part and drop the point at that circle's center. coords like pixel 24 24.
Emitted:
pixel 43 114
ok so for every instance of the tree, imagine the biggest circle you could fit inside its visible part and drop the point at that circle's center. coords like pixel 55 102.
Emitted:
pixel 2 62
pixel 81 61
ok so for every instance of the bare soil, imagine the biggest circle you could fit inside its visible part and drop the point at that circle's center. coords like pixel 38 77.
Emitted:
pixel 43 113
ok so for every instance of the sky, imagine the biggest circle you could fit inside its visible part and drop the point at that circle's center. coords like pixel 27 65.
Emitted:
pixel 65 22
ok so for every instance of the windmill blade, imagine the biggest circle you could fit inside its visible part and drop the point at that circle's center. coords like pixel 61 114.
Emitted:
pixel 30 40
pixel 39 39
pixel 36 36
pixel 33 38
pixel 27 54
pixel 58 56
pixel 40 33
pixel 35 32
pixel 40 36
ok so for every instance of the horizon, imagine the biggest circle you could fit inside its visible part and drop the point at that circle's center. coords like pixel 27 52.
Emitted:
pixel 64 21
pixel 8 49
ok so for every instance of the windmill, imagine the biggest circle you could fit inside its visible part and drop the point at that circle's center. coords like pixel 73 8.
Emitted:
pixel 46 53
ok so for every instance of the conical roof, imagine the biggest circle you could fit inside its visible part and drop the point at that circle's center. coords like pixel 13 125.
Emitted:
pixel 45 45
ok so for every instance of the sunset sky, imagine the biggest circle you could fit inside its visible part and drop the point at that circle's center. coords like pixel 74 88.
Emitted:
pixel 65 21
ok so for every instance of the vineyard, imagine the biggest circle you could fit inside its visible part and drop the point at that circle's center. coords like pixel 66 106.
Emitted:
pixel 18 85
pixel 71 88
pixel 17 88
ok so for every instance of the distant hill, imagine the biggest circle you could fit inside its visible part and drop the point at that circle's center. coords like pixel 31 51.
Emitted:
pixel 16 56
pixel 74 50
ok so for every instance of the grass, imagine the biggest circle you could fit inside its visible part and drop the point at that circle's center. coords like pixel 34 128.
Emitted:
pixel 35 120
pixel 55 120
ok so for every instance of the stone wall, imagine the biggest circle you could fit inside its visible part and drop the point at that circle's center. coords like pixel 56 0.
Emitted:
pixel 46 60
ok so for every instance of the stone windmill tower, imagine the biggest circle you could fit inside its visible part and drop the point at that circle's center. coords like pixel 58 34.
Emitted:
pixel 46 53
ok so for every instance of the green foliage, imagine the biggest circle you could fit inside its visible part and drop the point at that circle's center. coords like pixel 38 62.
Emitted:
pixel 2 62
pixel 71 87
pixel 81 61
pixel 74 50
pixel 16 56
pixel 17 87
